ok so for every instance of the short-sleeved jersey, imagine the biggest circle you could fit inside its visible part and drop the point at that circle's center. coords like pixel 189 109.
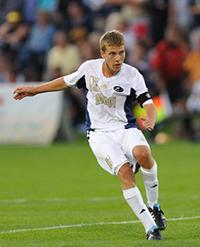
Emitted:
pixel 109 100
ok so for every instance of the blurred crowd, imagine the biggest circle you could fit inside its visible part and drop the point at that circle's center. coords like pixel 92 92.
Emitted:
pixel 43 39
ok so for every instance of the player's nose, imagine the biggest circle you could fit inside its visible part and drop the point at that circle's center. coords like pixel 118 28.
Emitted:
pixel 118 58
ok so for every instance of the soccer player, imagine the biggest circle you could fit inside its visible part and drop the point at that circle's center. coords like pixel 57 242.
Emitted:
pixel 110 87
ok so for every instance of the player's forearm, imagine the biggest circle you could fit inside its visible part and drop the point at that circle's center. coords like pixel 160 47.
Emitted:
pixel 151 113
pixel 54 85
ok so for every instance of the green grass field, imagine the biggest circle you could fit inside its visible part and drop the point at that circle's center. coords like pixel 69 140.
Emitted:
pixel 58 196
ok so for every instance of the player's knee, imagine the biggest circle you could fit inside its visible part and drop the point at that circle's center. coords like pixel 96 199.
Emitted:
pixel 143 155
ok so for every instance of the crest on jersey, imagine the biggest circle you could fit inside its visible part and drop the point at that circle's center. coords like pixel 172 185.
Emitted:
pixel 93 84
pixel 118 89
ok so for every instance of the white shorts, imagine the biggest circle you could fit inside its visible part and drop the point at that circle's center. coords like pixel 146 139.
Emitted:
pixel 114 148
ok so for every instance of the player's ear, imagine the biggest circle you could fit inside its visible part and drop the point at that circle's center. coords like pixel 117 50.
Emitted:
pixel 102 53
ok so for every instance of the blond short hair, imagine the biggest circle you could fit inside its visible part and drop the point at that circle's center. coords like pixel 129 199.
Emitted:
pixel 111 38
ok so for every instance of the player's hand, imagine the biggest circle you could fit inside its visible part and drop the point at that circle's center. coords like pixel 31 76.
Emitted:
pixel 22 92
pixel 145 124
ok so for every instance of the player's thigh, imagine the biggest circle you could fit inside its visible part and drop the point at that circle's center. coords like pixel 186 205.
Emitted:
pixel 133 137
pixel 108 153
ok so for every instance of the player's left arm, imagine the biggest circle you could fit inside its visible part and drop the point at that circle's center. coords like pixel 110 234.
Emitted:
pixel 146 102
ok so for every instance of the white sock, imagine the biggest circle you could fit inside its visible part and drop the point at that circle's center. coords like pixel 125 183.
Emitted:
pixel 150 179
pixel 134 199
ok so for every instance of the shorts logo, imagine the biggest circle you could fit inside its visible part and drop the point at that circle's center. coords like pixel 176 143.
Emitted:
pixel 118 89
pixel 108 161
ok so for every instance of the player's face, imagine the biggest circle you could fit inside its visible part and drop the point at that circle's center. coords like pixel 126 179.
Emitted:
pixel 114 57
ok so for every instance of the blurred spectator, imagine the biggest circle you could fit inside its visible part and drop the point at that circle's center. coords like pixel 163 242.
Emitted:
pixel 112 21
pixel 93 39
pixel 192 61
pixel 195 13
pixel 193 103
pixel 134 11
pixel 52 8
pixel 79 21
pixel 101 9
pixel 179 14
pixel 39 42
pixel 158 13
pixel 116 21
pixel 192 68
pixel 167 60
pixel 76 106
pixel 8 71
pixel 4 70
pixel 63 56
pixel 13 32
pixel 131 20
pixel 31 74
pixel 9 5
pixel 87 50
pixel 47 5
pixel 138 58
pixel 29 11
pixel 94 5
pixel 62 6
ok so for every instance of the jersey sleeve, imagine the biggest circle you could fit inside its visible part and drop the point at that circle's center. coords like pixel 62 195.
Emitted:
pixel 73 78
pixel 142 95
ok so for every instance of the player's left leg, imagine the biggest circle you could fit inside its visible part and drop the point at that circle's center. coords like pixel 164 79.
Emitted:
pixel 150 177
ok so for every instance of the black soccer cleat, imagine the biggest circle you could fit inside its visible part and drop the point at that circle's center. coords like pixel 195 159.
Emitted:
pixel 158 217
pixel 154 234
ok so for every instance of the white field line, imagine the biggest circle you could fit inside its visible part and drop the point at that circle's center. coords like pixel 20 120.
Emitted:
pixel 58 200
pixel 88 225
pixel 65 200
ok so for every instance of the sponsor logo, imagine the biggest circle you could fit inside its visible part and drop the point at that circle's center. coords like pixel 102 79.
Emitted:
pixel 103 100
pixel 118 89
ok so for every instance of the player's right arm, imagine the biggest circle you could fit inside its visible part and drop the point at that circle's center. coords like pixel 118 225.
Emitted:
pixel 54 85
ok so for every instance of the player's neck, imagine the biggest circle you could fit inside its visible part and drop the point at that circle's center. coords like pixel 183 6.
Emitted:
pixel 107 72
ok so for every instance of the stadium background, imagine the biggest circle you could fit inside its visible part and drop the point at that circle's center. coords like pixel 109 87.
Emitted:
pixel 55 194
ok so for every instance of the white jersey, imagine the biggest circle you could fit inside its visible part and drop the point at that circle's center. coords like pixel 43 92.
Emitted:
pixel 109 99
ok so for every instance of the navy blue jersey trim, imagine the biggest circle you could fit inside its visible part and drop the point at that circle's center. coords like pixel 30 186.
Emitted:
pixel 87 117
pixel 128 108
pixel 81 83
pixel 130 125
